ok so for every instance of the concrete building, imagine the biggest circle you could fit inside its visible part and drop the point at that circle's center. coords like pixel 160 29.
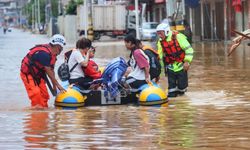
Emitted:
pixel 209 19
pixel 11 11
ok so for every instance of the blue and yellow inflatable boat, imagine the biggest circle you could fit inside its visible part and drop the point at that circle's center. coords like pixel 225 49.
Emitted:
pixel 113 92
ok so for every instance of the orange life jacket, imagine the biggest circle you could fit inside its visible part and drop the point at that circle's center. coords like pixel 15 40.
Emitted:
pixel 172 51
pixel 146 47
pixel 34 68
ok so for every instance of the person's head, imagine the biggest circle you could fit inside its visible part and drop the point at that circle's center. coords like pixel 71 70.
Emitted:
pixel 92 52
pixel 131 42
pixel 163 30
pixel 57 43
pixel 83 44
pixel 139 43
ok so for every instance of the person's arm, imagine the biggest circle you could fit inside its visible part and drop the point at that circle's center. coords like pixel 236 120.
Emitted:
pixel 187 48
pixel 238 39
pixel 86 58
pixel 147 76
pixel 160 52
pixel 50 72
pixel 44 59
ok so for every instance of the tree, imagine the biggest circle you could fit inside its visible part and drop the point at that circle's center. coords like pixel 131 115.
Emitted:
pixel 28 9
pixel 71 7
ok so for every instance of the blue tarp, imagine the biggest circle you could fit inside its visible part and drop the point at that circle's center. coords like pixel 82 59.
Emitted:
pixel 112 76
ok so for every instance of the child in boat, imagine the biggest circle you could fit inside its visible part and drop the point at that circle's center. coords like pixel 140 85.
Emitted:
pixel 92 69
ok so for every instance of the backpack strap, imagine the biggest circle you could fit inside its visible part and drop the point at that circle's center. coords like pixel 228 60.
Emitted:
pixel 66 57
pixel 73 67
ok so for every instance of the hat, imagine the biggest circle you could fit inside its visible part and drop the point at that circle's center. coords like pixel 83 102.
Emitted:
pixel 58 39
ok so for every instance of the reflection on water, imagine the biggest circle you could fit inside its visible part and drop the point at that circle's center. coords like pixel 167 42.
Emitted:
pixel 125 127
pixel 36 129
pixel 214 113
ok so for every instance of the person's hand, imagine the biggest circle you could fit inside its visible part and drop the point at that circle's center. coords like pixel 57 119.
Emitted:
pixel 61 89
pixel 90 49
pixel 232 48
pixel 186 66
pixel 129 69
pixel 147 79
pixel 157 79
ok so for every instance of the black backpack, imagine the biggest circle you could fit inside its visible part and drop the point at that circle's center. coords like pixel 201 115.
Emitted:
pixel 63 70
pixel 154 63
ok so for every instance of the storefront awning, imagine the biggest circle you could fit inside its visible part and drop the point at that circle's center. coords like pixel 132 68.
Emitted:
pixel 192 3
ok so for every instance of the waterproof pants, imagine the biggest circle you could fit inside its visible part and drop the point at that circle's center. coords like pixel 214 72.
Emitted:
pixel 177 82
pixel 38 94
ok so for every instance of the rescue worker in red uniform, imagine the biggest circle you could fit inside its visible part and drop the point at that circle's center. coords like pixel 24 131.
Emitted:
pixel 36 65
pixel 176 54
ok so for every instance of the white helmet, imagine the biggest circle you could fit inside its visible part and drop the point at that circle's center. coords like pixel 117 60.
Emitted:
pixel 163 27
pixel 58 39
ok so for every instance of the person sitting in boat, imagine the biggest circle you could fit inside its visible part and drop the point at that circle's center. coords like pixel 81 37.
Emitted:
pixel 154 61
pixel 138 72
pixel 79 58
pixel 92 70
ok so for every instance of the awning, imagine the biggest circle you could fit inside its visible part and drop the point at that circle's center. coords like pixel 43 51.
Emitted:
pixel 192 3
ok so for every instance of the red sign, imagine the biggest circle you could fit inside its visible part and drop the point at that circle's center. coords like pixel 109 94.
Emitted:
pixel 159 1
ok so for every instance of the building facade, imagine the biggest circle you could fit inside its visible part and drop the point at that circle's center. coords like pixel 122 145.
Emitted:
pixel 209 19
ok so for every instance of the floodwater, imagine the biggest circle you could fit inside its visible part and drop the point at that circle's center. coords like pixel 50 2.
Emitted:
pixel 214 113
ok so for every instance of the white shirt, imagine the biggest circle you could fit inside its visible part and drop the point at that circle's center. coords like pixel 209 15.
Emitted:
pixel 137 73
pixel 76 57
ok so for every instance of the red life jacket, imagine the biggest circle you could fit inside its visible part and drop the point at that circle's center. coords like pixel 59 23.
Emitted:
pixel 34 68
pixel 91 70
pixel 172 50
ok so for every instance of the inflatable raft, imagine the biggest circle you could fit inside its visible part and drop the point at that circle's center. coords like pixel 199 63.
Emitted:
pixel 113 91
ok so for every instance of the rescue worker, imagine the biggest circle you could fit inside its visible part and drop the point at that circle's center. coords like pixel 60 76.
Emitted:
pixel 176 54
pixel 36 65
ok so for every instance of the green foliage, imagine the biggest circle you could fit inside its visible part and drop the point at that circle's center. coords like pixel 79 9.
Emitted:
pixel 79 2
pixel 71 7
pixel 27 9
pixel 54 8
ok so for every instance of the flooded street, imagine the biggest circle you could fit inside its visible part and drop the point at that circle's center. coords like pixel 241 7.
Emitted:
pixel 214 113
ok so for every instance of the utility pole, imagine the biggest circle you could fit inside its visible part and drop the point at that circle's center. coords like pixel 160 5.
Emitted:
pixel 33 17
pixel 59 7
pixel 35 12
pixel 86 19
pixel 137 20
pixel 38 11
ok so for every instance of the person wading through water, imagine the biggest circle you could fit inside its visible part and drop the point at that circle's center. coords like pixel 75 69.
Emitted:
pixel 176 54
pixel 36 65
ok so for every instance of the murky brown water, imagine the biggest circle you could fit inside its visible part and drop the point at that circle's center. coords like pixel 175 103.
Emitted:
pixel 214 113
